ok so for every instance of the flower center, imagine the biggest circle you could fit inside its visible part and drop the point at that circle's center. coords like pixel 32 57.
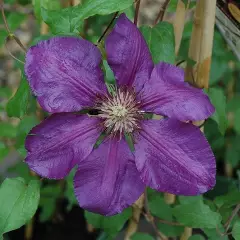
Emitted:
pixel 120 111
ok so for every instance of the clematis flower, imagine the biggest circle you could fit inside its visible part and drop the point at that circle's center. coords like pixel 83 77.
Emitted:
pixel 169 155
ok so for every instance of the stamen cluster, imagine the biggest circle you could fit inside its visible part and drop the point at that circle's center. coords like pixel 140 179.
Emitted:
pixel 120 111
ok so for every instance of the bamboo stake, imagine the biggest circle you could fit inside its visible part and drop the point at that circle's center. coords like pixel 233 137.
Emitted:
pixel 179 22
pixel 29 230
pixel 208 22
pixel 228 168
pixel 202 42
pixel 186 234
pixel 75 2
pixel 169 198
pixel 44 28
pixel 201 51
pixel 194 49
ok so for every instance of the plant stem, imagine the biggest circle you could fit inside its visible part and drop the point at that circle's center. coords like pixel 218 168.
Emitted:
pixel 169 223
pixel 108 27
pixel 151 219
pixel 10 34
pixel 161 12
pixel 234 213
pixel 29 230
pixel 19 43
pixel 186 234
pixel 169 199
pixel 136 213
pixel 9 52
pixel 137 12
pixel 4 18
pixel 30 226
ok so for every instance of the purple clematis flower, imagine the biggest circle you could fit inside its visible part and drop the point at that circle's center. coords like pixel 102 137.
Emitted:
pixel 170 155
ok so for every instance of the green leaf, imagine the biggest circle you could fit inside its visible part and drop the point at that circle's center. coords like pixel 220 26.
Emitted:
pixel 109 76
pixel 40 38
pixel 159 208
pixel 233 103
pixel 112 224
pixel 51 4
pixel 237 120
pixel 236 230
pixel 225 213
pixel 37 8
pixel 104 236
pixel 211 204
pixel 5 92
pixel 197 215
pixel 47 4
pixel 49 196
pixel 218 100
pixel 218 68
pixel 10 1
pixel 24 127
pixel 3 150
pixel 130 12
pixel 70 20
pixel 190 199
pixel 232 153
pixel 228 200
pixel 212 234
pixel 141 236
pixel 18 104
pixel 69 192
pixel 48 207
pixel 3 35
pixel 160 40
pixel 102 7
pixel 214 137
pixel 169 230
pixel 18 202
pixel 172 6
pixel 7 130
pixel 14 20
pixel 196 237
pixel 21 169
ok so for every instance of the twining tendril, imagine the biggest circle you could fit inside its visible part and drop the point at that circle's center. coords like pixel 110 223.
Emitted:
pixel 108 27
pixel 11 35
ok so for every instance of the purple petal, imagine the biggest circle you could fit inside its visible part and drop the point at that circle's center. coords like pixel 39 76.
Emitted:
pixel 128 54
pixel 64 73
pixel 107 181
pixel 59 143
pixel 174 157
pixel 167 94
